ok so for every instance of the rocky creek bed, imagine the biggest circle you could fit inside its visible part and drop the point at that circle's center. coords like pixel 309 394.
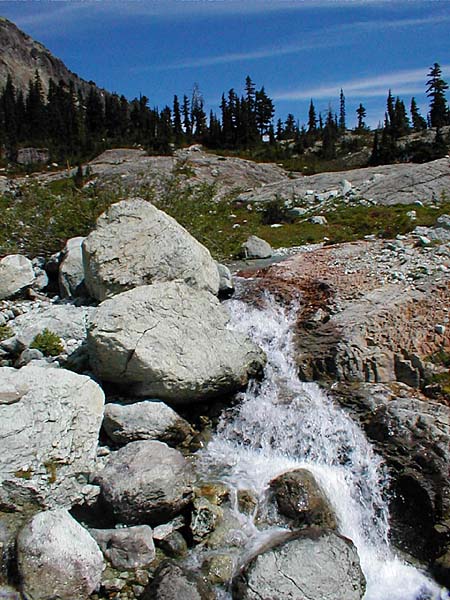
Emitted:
pixel 122 477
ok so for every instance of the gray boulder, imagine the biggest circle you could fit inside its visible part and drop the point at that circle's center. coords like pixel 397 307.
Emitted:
pixel 9 593
pixel 16 273
pixel 302 566
pixel 256 247
pixel 136 244
pixel 128 547
pixel 58 558
pixel 145 482
pixel 49 423
pixel 171 342
pixel 148 420
pixel 175 582
pixel 71 269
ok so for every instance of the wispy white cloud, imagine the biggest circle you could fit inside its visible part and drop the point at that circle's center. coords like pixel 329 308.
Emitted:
pixel 411 81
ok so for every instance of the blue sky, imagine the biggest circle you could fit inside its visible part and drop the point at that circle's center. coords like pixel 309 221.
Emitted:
pixel 297 49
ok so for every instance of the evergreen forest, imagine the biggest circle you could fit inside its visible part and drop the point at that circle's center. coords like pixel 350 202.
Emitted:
pixel 75 127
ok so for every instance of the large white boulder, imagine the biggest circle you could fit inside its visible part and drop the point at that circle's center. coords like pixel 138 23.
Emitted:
pixel 16 273
pixel 136 244
pixel 171 342
pixel 49 425
pixel 58 558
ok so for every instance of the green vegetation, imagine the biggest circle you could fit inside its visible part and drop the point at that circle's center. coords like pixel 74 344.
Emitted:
pixel 48 343
pixel 40 219
pixel 5 332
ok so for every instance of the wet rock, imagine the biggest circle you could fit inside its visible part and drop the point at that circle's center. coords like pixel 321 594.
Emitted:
pixel 174 582
pixel 204 518
pixel 412 433
pixel 136 244
pixel 58 558
pixel 173 545
pixel 71 270
pixel 145 482
pixel 16 274
pixel 218 568
pixel 318 564
pixel 49 423
pixel 128 547
pixel 9 593
pixel 299 497
pixel 171 342
pixel 256 247
pixel 147 420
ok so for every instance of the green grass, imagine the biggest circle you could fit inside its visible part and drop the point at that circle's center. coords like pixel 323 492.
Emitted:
pixel 41 219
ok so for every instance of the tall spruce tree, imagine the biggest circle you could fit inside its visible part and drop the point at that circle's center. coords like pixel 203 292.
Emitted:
pixel 341 124
pixel 418 122
pixel 361 115
pixel 436 87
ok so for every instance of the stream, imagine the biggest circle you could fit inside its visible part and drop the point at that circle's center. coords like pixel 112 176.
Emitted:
pixel 282 423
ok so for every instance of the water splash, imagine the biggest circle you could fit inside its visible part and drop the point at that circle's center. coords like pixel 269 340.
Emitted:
pixel 283 423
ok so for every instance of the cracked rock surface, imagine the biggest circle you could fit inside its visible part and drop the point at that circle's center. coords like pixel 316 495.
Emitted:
pixel 170 342
pixel 49 425
pixel 136 244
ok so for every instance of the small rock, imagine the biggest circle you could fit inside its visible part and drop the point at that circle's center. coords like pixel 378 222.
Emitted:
pixel 173 545
pixel 218 568
pixel 16 274
pixel 174 582
pixel 256 247
pixel 439 329
pixel 126 548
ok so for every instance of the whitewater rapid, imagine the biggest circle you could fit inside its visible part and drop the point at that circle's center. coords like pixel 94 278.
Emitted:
pixel 282 423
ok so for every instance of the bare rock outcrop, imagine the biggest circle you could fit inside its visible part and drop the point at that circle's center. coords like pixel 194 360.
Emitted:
pixel 170 341
pixel 16 273
pixel 49 423
pixel 136 244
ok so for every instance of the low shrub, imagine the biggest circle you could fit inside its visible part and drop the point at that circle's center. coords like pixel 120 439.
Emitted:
pixel 48 343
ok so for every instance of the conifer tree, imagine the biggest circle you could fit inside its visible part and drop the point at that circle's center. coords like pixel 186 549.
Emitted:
pixel 341 124
pixel 186 118
pixel 312 118
pixel 177 126
pixel 436 87
pixel 418 122
pixel 361 114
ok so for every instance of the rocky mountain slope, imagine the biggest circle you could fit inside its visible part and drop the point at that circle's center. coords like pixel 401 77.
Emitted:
pixel 21 56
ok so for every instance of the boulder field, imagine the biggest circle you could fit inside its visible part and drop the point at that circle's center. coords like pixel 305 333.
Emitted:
pixel 100 491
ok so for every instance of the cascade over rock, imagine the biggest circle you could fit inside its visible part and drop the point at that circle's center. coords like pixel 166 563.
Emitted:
pixel 136 244
pixel 172 342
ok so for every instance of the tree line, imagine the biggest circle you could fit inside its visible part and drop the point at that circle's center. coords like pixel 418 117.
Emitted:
pixel 74 126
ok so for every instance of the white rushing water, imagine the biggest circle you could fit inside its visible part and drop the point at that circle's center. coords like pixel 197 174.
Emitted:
pixel 282 423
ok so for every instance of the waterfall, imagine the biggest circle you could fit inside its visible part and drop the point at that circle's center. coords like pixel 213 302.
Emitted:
pixel 282 423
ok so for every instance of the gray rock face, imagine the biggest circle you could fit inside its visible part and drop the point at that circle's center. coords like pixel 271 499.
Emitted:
pixel 145 482
pixel 49 424
pixel 66 321
pixel 9 593
pixel 127 548
pixel 58 558
pixel 171 342
pixel 136 244
pixel 256 247
pixel 148 420
pixel 300 498
pixel 16 273
pixel 71 270
pixel 303 567
pixel 172 582
pixel 412 433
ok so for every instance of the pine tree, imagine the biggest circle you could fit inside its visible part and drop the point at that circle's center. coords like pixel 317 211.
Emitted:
pixel 418 122
pixel 264 111
pixel 177 126
pixel 341 124
pixel 361 114
pixel 198 116
pixel 312 118
pixel 330 133
pixel 186 118
pixel 35 111
pixel 436 87
pixel 400 121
